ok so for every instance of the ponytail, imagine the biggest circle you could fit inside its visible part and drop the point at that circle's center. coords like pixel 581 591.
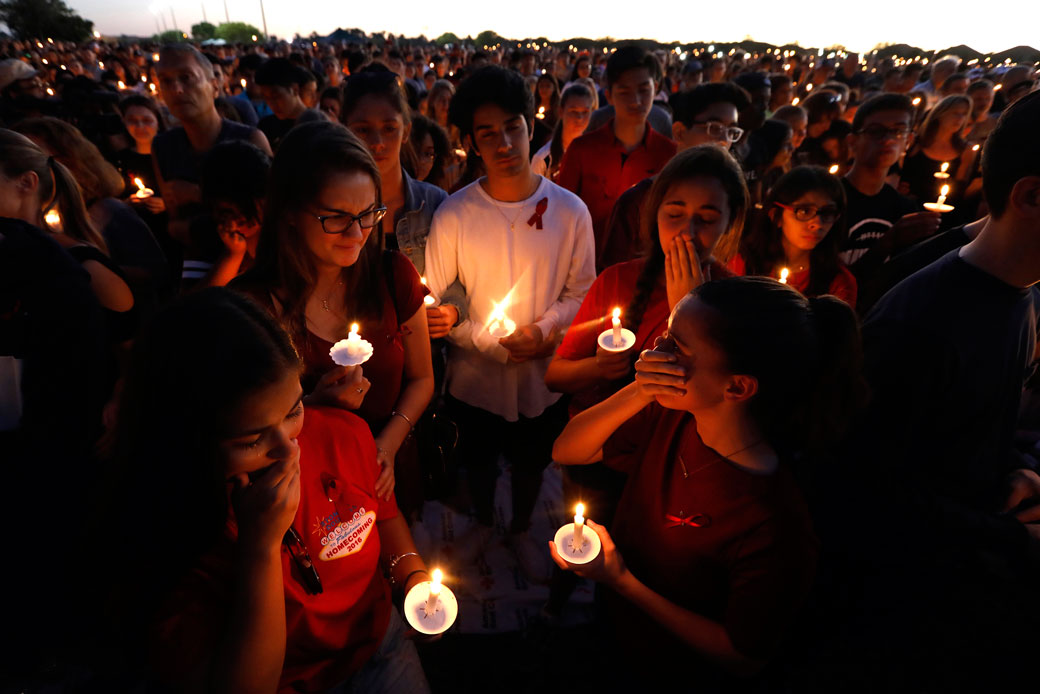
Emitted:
pixel 57 188
pixel 804 353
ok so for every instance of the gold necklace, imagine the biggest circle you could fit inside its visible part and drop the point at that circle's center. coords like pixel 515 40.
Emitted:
pixel 325 302
pixel 512 223
pixel 686 474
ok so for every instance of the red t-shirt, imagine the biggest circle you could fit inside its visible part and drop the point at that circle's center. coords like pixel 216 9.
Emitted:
pixel 385 369
pixel 329 636
pixel 598 170
pixel 842 286
pixel 735 547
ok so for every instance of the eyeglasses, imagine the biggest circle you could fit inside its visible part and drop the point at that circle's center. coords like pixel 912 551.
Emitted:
pixel 880 132
pixel 338 223
pixel 302 559
pixel 719 131
pixel 803 213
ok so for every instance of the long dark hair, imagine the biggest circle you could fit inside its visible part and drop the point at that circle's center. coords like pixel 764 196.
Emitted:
pixel 377 80
pixel 308 156
pixel 804 353
pixel 575 91
pixel 761 246
pixel 192 366
pixel 703 160
pixel 421 127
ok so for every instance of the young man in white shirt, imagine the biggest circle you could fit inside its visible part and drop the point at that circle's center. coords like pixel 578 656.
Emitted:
pixel 517 241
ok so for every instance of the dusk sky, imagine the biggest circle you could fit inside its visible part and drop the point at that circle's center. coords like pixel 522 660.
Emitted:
pixel 931 25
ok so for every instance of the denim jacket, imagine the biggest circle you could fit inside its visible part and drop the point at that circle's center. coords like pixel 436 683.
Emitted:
pixel 421 200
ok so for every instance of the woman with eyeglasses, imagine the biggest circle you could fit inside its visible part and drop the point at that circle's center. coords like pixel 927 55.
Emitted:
pixel 799 229
pixel 256 535
pixel 320 267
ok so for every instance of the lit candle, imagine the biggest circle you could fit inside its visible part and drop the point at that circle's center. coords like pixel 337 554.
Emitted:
pixel 53 219
pixel 942 194
pixel 435 592
pixel 833 169
pixel 50 92
pixel 940 204
pixel 975 148
pixel 795 101
pixel 500 326
pixel 121 85
pixel 354 337
pixel 615 322
pixel 784 274
pixel 808 87
pixel 943 170
pixel 579 528
pixel 151 85
pixel 541 111
pixel 155 57
pixel 352 351
pixel 429 299
pixel 101 65
pixel 916 101
pixel 142 192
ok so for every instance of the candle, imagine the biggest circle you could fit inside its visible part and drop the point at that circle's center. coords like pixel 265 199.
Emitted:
pixel 784 274
pixel 975 148
pixel 50 92
pixel 142 192
pixel 101 65
pixel 121 85
pixel 53 219
pixel 833 169
pixel 500 325
pixel 429 299
pixel 352 351
pixel 242 82
pixel 354 337
pixel 916 101
pixel 435 592
pixel 155 57
pixel 579 527
pixel 541 111
pixel 940 204
pixel 943 170
pixel 615 322
pixel 795 101
pixel 151 85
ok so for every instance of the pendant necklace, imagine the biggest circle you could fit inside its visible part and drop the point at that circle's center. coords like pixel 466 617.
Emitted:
pixel 325 302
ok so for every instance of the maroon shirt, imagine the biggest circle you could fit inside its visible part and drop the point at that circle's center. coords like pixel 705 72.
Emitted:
pixel 597 169
pixel 732 546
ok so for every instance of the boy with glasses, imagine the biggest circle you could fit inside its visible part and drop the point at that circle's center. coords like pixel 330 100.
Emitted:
pixel 602 164
pixel 881 221
pixel 705 115
pixel 522 248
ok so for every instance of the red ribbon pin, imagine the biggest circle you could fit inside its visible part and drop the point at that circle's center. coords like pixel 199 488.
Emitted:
pixel 536 219
pixel 697 520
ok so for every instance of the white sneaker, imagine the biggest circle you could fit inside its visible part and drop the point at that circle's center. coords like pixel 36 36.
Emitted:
pixel 472 543
pixel 532 558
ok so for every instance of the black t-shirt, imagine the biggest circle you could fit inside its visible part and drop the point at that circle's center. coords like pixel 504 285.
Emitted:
pixel 870 216
pixel 275 129
pixel 907 263
pixel 947 352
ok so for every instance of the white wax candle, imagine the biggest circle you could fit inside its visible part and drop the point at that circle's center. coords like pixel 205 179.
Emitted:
pixel 942 195
pixel 353 336
pixel 616 323
pixel 579 528
pixel 435 592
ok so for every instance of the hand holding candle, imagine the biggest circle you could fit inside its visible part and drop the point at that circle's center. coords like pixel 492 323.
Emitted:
pixel 499 324
pixel 430 606
pixel 142 192
pixel 573 544
pixel 429 300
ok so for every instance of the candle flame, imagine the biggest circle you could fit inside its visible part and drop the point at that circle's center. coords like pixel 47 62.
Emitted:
pixel 50 92
pixel 616 313
pixel 945 165
pixel 808 87
pixel 435 585
pixel 975 148
pixel 101 65
pixel 579 510
pixel 794 102
pixel 916 100
pixel 784 274
pixel 834 169
pixel 423 280
pixel 155 57
pixel 354 328
pixel 242 82
pixel 120 84
pixel 139 183
pixel 52 218
pixel 944 191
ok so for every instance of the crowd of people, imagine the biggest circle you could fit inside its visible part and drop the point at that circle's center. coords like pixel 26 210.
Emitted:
pixel 813 469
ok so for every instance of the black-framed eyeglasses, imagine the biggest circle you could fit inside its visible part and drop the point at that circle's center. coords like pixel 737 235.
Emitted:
pixel 338 223
pixel 803 213
pixel 880 132
pixel 302 559
pixel 720 131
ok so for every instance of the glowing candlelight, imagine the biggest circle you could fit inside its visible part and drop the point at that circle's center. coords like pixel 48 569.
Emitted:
pixel 144 78
pixel 579 527
pixel 53 219
pixel 784 274
pixel 142 192
pixel 943 170
pixel 155 57
pixel 101 65
pixel 940 204
pixel 808 87
pixel 151 86
pixel 975 148
pixel 615 323
pixel 833 169
pixel 50 92
pixel 435 592
pixel 916 101
pixel 500 325
pixel 794 102
pixel 120 85
pixel 541 111
pixel 242 82
pixel 353 350
pixel 429 299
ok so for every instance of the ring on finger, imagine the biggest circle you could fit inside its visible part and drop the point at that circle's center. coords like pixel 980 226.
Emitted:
pixel 361 390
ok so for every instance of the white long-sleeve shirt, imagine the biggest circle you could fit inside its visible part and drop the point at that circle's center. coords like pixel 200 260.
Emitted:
pixel 545 273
